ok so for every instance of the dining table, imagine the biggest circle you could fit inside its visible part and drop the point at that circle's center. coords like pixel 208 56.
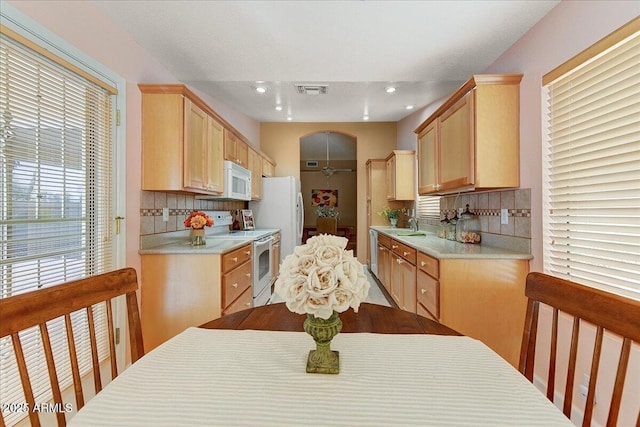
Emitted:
pixel 248 369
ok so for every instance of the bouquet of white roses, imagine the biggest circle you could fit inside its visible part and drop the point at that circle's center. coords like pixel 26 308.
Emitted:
pixel 321 277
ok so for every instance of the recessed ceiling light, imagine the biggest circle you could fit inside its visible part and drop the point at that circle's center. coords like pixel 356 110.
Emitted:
pixel 390 89
pixel 289 118
pixel 409 107
pixel 278 107
pixel 261 89
pixel 365 118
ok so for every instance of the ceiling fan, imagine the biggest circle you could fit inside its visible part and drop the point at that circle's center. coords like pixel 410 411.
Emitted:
pixel 328 170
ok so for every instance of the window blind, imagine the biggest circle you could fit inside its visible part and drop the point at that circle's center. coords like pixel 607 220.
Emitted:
pixel 592 177
pixel 56 193
pixel 428 207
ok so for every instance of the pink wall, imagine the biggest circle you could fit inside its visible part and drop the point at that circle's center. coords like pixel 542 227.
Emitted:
pixel 76 22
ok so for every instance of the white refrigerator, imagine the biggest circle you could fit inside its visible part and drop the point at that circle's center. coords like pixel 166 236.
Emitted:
pixel 281 207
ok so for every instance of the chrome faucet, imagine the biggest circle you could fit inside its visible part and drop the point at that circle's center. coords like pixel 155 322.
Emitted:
pixel 413 222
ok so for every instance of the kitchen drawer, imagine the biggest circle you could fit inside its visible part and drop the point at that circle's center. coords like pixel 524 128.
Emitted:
pixel 429 265
pixel 384 240
pixel 406 252
pixel 421 311
pixel 233 259
pixel 243 302
pixel 235 282
pixel 428 293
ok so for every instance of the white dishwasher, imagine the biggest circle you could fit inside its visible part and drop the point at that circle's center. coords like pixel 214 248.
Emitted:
pixel 374 251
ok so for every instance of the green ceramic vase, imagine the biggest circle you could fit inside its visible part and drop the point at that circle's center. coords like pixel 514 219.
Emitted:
pixel 323 360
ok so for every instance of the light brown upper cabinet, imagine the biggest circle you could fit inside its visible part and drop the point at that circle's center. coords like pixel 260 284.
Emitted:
pixel 401 175
pixel 427 164
pixel 255 166
pixel 472 142
pixel 268 168
pixel 235 149
pixel 195 144
pixel 181 142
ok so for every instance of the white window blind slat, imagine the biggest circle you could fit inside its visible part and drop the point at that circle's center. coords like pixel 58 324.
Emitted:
pixel 595 86
pixel 428 207
pixel 55 188
pixel 606 59
pixel 592 171
pixel 623 112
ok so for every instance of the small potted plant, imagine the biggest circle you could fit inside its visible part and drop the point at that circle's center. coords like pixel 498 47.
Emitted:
pixel 392 214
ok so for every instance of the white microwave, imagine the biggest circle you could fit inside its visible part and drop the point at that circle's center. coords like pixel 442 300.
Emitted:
pixel 237 183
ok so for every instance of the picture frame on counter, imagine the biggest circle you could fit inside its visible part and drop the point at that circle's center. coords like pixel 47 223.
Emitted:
pixel 247 219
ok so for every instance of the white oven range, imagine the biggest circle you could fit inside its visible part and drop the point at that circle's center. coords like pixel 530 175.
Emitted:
pixel 262 252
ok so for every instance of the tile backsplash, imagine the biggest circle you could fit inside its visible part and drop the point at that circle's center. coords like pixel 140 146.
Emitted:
pixel 179 205
pixel 488 206
pixel 515 235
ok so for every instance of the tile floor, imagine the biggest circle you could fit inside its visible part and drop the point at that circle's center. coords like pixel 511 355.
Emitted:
pixel 375 295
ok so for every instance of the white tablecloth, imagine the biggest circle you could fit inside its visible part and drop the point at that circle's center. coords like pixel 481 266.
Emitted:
pixel 223 377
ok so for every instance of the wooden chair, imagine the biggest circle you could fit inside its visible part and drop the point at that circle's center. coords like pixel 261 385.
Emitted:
pixel 327 226
pixel 35 308
pixel 604 310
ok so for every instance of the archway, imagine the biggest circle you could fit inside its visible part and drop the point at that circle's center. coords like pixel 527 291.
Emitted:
pixel 328 176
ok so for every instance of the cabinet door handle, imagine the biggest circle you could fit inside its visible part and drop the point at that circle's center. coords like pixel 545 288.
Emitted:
pixel 398 260
pixel 423 291
pixel 235 259
pixel 235 286
pixel 422 263
pixel 247 252
pixel 405 253
pixel 248 274
pixel 394 246
pixel 248 304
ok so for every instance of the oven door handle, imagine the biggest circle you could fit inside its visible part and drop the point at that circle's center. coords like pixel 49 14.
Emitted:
pixel 261 242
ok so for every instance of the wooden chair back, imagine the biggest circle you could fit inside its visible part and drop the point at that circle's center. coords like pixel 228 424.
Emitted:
pixel 327 226
pixel 604 310
pixel 35 308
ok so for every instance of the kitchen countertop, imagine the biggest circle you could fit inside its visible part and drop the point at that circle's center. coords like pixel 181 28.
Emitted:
pixel 181 244
pixel 213 246
pixel 431 244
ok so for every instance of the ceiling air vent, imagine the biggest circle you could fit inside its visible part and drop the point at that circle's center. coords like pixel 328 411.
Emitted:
pixel 311 89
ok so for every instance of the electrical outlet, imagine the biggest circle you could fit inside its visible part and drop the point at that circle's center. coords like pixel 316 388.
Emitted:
pixel 165 214
pixel 504 216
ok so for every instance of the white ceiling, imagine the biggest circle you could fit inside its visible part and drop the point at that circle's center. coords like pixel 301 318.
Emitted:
pixel 425 48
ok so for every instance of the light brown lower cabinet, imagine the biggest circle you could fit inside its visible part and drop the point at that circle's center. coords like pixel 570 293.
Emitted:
pixel 182 290
pixel 275 261
pixel 384 261
pixel 481 298
pixel 403 275
pixel 234 283
pixel 243 302
pixel 428 287
pixel 484 299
